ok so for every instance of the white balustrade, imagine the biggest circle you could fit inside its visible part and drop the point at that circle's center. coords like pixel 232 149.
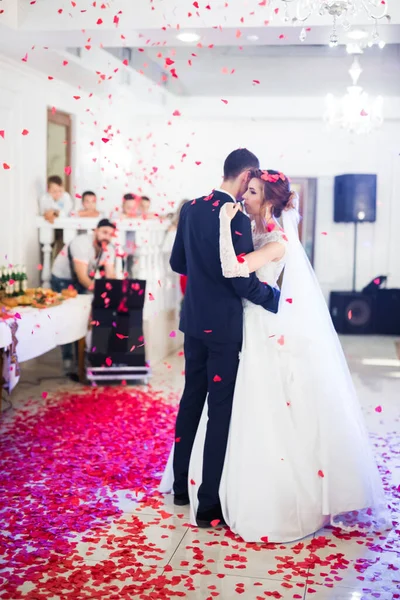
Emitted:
pixel 151 259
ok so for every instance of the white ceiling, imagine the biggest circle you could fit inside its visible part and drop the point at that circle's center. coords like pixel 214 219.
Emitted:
pixel 146 30
pixel 149 22
pixel 269 70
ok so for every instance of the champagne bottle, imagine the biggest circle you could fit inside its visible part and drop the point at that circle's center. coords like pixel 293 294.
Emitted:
pixel 9 286
pixel 24 280
pixel 11 280
pixel 3 280
pixel 17 280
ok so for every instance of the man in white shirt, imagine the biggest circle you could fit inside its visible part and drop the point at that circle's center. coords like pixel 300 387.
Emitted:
pixel 56 202
pixel 77 264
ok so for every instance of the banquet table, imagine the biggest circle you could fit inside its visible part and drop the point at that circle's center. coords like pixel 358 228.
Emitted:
pixel 5 335
pixel 43 329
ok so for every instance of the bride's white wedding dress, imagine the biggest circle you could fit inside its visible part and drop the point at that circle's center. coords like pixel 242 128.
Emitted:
pixel 298 454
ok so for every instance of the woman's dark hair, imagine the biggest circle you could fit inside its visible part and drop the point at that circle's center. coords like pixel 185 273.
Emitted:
pixel 238 161
pixel 276 190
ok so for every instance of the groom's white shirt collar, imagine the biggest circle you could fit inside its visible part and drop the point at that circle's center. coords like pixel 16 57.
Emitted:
pixel 225 192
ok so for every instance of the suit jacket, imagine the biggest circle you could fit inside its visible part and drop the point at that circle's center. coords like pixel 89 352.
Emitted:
pixel 212 308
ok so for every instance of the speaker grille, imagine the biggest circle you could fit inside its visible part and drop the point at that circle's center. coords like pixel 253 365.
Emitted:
pixel 358 313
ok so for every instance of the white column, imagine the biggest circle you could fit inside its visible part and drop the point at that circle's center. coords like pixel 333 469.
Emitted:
pixel 69 234
pixel 46 238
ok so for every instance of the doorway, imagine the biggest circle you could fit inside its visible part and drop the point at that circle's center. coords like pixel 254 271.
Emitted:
pixel 59 135
pixel 307 191
pixel 59 126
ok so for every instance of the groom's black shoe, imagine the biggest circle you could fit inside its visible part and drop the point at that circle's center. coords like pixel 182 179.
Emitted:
pixel 181 499
pixel 210 518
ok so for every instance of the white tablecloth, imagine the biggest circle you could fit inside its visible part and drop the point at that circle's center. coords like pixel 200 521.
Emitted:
pixel 5 335
pixel 42 329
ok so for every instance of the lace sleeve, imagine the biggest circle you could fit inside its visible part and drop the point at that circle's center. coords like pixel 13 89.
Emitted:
pixel 231 267
pixel 278 236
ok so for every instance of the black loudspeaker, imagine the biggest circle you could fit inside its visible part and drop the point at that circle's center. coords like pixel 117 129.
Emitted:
pixel 355 198
pixel 352 312
pixel 387 319
pixel 117 319
pixel 119 294
pixel 375 285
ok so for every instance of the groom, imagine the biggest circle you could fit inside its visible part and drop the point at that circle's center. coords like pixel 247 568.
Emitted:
pixel 212 321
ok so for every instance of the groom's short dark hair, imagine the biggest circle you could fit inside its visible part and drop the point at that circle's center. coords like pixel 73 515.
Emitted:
pixel 238 161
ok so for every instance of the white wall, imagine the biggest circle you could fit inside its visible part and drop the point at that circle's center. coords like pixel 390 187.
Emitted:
pixel 300 148
pixel 109 168
pixel 148 154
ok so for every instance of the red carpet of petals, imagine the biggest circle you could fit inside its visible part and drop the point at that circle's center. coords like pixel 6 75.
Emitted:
pixel 55 462
pixel 62 463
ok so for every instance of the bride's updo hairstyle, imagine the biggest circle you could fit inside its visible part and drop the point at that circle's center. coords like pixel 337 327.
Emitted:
pixel 276 191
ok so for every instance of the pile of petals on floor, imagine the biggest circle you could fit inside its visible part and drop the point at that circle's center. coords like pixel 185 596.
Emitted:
pixel 64 536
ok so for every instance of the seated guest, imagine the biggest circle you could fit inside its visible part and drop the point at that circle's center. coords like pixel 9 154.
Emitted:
pixel 171 231
pixel 130 206
pixel 130 210
pixel 89 207
pixel 56 202
pixel 144 208
pixel 78 264
pixel 145 204
pixel 169 242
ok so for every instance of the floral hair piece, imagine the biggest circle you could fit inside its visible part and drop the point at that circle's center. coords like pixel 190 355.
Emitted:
pixel 272 178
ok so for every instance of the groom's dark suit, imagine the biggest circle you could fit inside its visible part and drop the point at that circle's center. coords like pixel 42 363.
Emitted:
pixel 212 321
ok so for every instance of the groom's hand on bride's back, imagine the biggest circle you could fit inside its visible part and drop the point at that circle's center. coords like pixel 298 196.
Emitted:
pixel 251 287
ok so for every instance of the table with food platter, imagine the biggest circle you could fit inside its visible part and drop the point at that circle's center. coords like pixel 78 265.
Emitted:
pixel 38 321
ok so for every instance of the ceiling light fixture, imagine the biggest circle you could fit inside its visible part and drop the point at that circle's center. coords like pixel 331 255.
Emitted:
pixel 357 34
pixel 188 37
pixel 354 48
pixel 354 112
pixel 341 11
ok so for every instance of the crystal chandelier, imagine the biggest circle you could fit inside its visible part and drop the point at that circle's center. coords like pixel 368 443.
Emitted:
pixel 355 112
pixel 341 11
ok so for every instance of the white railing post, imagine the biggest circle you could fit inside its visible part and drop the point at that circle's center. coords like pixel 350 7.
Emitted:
pixel 46 238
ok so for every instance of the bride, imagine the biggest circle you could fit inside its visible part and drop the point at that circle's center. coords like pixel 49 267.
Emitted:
pixel 298 454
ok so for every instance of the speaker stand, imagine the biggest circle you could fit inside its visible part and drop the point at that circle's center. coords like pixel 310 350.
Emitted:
pixel 355 256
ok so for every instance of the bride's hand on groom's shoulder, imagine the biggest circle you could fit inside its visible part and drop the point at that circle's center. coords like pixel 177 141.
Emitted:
pixel 232 209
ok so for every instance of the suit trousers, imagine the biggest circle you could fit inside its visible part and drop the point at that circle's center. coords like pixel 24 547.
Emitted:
pixel 210 373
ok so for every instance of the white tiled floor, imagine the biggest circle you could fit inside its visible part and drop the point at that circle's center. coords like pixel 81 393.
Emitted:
pixel 164 558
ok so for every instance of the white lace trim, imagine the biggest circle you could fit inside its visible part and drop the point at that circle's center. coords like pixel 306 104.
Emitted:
pixel 231 267
pixel 262 239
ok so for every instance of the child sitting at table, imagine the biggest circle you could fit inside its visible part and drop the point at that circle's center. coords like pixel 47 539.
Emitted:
pixel 89 206
pixel 56 202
